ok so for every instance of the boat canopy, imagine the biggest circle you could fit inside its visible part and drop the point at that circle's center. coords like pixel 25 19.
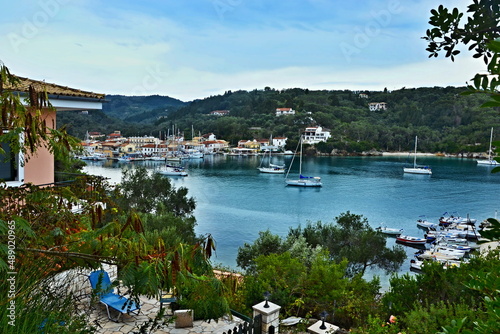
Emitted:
pixel 309 177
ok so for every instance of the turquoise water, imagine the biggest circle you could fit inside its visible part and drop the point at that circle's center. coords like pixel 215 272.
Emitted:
pixel 235 201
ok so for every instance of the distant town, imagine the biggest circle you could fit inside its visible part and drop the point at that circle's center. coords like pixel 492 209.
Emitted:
pixel 99 146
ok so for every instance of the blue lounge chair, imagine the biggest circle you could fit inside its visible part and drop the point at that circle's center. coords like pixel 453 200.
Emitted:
pixel 101 284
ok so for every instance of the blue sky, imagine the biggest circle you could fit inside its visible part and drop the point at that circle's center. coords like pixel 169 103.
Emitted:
pixel 192 49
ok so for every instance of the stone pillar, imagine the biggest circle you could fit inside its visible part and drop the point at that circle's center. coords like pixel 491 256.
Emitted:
pixel 315 329
pixel 270 316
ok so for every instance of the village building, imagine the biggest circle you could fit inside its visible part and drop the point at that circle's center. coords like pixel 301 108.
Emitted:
pixel 219 113
pixel 316 134
pixel 284 111
pixel 374 106
pixel 39 169
pixel 279 142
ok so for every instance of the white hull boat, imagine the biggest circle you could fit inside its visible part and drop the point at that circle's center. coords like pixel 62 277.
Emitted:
pixel 170 170
pixel 406 239
pixel 490 161
pixel 390 231
pixel 425 170
pixel 303 181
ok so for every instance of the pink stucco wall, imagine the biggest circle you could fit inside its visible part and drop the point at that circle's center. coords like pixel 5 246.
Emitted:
pixel 40 167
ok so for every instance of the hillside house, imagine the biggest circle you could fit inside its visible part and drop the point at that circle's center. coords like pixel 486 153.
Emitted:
pixel 209 137
pixel 39 169
pixel 374 106
pixel 316 134
pixel 284 111
pixel 219 113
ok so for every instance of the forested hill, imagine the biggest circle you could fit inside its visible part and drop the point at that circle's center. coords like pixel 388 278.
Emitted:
pixel 443 119
pixel 137 109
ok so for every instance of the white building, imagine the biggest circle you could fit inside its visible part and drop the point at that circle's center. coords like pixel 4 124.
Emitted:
pixel 279 141
pixel 154 149
pixel 212 146
pixel 316 134
pixel 374 106
pixel 284 111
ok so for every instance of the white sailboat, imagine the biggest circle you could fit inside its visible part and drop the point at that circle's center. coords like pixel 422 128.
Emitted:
pixel 417 169
pixel 270 168
pixel 302 181
pixel 489 161
pixel 172 170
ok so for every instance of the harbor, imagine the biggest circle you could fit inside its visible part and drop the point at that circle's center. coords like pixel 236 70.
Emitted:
pixel 235 201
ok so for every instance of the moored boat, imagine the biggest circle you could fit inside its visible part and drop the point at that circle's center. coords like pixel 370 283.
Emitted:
pixel 171 170
pixel 389 230
pixel 406 239
pixel 425 170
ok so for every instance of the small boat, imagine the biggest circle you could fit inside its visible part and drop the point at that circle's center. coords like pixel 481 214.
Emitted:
pixel 490 161
pixel 271 168
pixel 390 231
pixel 417 169
pixel 425 224
pixel 302 181
pixel 406 239
pixel 95 157
pixel 431 255
pixel 171 170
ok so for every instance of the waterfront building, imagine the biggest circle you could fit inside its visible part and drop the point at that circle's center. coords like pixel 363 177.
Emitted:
pixel 316 134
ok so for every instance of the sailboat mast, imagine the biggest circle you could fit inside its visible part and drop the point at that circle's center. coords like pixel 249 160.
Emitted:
pixel 491 139
pixel 415 155
pixel 300 158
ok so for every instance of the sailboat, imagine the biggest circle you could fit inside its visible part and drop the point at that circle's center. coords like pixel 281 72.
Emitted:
pixel 417 169
pixel 271 168
pixel 489 161
pixel 302 181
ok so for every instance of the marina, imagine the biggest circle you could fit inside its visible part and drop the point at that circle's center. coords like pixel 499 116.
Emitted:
pixel 235 201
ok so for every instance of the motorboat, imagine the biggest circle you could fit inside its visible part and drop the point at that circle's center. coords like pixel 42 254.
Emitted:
pixel 389 230
pixel 406 239
pixel 425 224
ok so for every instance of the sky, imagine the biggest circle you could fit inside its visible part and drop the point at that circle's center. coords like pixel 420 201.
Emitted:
pixel 193 49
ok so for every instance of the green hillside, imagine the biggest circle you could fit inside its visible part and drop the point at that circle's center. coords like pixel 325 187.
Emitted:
pixel 443 119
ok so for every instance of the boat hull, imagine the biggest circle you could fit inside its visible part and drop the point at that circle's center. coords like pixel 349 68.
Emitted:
pixel 423 171
pixel 304 183
pixel 488 162
pixel 270 170
pixel 411 240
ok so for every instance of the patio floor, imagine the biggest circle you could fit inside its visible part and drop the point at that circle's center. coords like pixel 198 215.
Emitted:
pixel 149 309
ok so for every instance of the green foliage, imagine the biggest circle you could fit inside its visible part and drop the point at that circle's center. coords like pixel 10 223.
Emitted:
pixel 353 238
pixel 480 31
pixel 205 296
pixel 307 290
pixel 265 244
pixel 153 194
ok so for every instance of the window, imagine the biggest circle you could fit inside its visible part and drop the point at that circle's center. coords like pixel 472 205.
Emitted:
pixel 11 169
pixel 7 164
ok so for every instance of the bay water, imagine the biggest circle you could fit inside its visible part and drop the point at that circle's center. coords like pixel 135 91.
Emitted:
pixel 234 201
